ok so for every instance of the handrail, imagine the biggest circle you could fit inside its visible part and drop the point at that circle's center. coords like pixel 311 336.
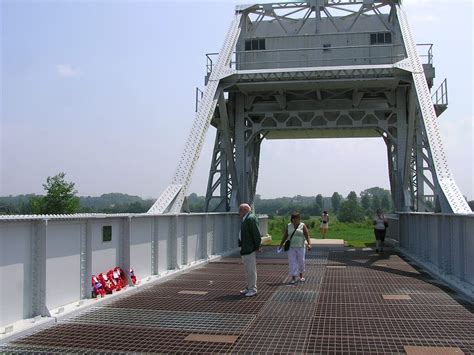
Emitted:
pixel 428 55
pixel 392 59
pixel 153 245
pixel 209 56
pixel 440 96
pixel 440 242
pixel 199 94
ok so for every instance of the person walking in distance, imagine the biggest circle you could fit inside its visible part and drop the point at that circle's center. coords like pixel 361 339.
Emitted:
pixel 380 230
pixel 324 226
pixel 297 233
pixel 249 242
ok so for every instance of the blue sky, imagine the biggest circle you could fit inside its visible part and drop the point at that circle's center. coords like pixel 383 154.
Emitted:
pixel 104 91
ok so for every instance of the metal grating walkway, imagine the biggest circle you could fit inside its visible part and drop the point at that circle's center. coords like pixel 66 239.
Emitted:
pixel 352 302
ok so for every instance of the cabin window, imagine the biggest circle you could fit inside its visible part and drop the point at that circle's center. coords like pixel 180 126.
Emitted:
pixel 257 44
pixel 106 234
pixel 326 47
pixel 380 38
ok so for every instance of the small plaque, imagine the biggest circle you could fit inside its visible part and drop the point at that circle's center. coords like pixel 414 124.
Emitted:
pixel 396 297
pixel 184 292
pixel 212 338
pixel 431 350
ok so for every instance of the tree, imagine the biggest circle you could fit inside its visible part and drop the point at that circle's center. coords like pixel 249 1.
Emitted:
pixel 60 197
pixel 375 202
pixel 319 201
pixel 386 204
pixel 380 198
pixel 375 191
pixel 352 196
pixel 365 202
pixel 350 211
pixel 336 201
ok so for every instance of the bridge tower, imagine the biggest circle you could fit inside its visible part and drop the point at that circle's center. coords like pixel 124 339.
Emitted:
pixel 314 69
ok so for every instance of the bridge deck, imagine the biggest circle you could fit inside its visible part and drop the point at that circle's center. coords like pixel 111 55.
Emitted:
pixel 352 302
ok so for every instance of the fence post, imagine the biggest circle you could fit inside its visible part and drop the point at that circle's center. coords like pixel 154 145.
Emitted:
pixel 449 244
pixel 154 247
pixel 185 241
pixel 227 228
pixel 124 247
pixel 460 254
pixel 173 243
pixel 86 260
pixel 204 253
pixel 213 235
pixel 38 268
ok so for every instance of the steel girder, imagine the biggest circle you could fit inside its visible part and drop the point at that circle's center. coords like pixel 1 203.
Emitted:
pixel 400 111
pixel 428 153
pixel 384 106
pixel 333 109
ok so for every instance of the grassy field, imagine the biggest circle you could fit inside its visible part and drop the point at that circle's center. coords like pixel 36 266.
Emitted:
pixel 357 235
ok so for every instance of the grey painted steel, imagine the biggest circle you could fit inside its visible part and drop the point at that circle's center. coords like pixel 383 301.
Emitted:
pixel 321 78
pixel 48 261
pixel 171 201
pixel 38 269
pixel 441 243
pixel 62 248
pixel 451 198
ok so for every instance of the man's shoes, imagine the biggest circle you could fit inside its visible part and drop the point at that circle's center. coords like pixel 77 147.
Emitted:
pixel 293 281
pixel 250 293
pixel 302 279
pixel 244 291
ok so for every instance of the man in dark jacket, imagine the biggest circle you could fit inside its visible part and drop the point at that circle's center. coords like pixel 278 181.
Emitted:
pixel 249 242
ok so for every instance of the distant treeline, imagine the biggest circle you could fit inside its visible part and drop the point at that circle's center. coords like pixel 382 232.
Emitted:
pixel 367 202
pixel 106 203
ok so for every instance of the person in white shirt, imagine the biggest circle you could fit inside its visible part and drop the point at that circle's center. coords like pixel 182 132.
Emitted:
pixel 297 232
pixel 380 230
pixel 324 226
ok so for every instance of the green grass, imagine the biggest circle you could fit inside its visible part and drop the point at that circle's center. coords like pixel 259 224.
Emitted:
pixel 356 235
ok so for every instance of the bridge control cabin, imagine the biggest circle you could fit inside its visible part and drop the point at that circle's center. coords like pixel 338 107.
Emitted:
pixel 345 39
pixel 334 41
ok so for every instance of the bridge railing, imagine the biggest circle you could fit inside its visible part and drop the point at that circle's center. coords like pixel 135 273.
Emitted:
pixel 47 262
pixel 318 57
pixel 441 243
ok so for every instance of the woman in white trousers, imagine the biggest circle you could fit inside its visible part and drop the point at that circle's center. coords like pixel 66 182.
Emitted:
pixel 297 233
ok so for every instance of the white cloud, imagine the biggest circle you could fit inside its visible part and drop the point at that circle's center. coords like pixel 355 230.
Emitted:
pixel 67 71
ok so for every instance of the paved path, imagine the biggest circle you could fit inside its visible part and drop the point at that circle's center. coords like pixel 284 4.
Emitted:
pixel 352 302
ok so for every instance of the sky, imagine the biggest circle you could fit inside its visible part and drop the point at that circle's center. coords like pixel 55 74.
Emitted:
pixel 105 92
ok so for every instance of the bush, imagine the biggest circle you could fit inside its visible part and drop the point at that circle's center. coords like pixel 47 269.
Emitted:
pixel 350 211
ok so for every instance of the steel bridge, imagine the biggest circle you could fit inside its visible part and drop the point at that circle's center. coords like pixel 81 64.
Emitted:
pixel 320 68
pixel 313 69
